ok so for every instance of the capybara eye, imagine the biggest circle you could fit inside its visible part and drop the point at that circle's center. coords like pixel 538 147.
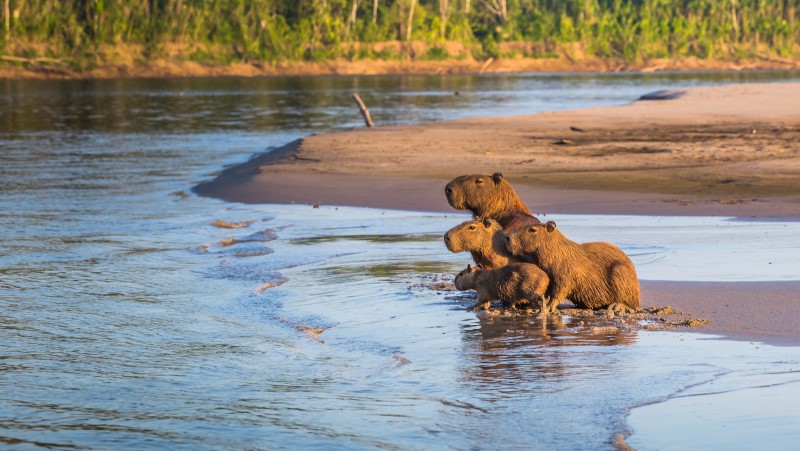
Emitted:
pixel 472 227
pixel 478 181
pixel 532 230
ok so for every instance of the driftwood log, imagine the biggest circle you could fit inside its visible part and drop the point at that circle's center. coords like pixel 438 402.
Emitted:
pixel 364 110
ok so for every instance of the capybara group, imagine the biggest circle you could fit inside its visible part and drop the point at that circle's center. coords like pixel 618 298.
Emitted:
pixel 592 275
pixel 484 239
pixel 489 196
pixel 513 284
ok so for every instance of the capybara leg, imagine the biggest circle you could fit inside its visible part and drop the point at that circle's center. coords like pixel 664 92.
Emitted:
pixel 482 304
pixel 551 306
pixel 558 292
pixel 544 307
pixel 520 304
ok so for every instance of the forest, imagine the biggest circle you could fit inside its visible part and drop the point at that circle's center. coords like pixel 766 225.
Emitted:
pixel 227 31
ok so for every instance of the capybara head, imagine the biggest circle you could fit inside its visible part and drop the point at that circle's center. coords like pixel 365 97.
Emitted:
pixel 529 239
pixel 465 280
pixel 472 235
pixel 486 196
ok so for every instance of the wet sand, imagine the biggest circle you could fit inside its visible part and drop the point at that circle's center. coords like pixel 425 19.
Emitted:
pixel 755 311
pixel 722 151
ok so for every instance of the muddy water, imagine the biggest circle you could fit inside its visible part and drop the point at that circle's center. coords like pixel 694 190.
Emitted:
pixel 129 320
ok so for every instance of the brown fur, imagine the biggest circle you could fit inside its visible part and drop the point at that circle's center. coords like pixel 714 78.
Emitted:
pixel 514 284
pixel 489 196
pixel 591 275
pixel 484 239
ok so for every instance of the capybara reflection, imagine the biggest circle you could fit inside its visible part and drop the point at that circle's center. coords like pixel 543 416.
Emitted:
pixel 591 275
pixel 484 239
pixel 514 284
pixel 489 196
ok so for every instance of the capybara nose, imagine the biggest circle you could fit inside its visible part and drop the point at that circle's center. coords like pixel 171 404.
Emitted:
pixel 447 237
pixel 448 190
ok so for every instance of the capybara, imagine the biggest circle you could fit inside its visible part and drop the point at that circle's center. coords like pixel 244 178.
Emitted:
pixel 514 284
pixel 489 196
pixel 484 239
pixel 592 275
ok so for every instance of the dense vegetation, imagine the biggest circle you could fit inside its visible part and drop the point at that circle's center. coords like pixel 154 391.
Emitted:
pixel 289 30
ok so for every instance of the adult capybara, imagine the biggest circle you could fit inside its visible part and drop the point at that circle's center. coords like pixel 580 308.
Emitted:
pixel 513 284
pixel 591 275
pixel 484 239
pixel 489 196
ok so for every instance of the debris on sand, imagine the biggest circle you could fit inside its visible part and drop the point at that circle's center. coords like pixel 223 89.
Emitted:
pixel 400 360
pixel 312 332
pixel 275 283
pixel 219 223
pixel 436 282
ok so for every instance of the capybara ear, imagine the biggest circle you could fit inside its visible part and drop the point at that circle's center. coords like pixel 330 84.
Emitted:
pixel 551 225
pixel 487 222
pixel 469 267
pixel 497 177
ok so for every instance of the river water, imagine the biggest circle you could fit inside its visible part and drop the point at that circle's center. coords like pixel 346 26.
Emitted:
pixel 130 320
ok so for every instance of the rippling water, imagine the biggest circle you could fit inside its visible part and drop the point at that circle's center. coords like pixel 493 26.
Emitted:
pixel 130 320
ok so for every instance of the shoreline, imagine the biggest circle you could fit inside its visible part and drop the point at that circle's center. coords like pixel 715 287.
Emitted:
pixel 182 67
pixel 723 151
pixel 727 151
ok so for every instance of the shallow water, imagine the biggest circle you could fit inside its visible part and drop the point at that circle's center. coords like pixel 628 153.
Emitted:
pixel 129 320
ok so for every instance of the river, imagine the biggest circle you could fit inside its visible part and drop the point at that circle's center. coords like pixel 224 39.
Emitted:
pixel 130 320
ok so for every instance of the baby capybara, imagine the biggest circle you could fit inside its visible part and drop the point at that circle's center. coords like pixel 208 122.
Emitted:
pixel 591 275
pixel 484 239
pixel 514 284
pixel 489 196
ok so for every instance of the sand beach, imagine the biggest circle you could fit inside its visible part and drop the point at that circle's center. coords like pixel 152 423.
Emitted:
pixel 729 151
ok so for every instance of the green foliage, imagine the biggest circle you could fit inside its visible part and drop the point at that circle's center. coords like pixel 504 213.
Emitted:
pixel 436 54
pixel 317 30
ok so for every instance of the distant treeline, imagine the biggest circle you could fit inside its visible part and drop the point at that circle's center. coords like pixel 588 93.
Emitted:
pixel 318 30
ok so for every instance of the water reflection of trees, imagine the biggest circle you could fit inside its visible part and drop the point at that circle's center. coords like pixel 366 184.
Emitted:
pixel 510 350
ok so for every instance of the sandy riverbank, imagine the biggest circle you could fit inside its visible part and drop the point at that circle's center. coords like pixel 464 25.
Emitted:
pixel 181 66
pixel 723 151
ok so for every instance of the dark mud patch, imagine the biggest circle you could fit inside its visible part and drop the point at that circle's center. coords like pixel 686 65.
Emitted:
pixel 389 270
pixel 408 238
pixel 244 249
pixel 604 321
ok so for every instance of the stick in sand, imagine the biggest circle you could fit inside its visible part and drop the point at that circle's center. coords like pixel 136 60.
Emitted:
pixel 363 109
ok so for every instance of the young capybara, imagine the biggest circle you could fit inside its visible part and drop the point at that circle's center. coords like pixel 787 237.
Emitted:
pixel 484 239
pixel 489 196
pixel 592 275
pixel 514 284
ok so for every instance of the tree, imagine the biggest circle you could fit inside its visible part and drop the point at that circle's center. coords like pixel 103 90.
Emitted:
pixel 498 8
pixel 442 18
pixel 410 19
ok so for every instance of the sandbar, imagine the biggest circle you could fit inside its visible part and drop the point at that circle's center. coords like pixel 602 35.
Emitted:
pixel 730 151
